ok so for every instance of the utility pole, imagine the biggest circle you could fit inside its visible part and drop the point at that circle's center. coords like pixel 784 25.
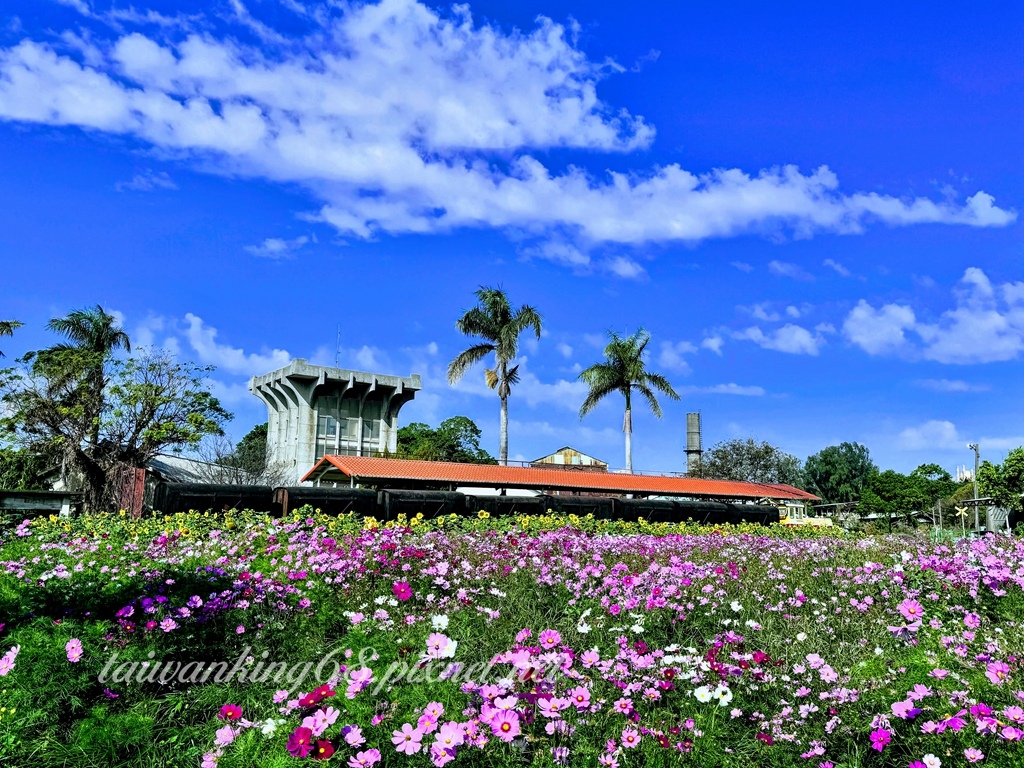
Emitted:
pixel 977 456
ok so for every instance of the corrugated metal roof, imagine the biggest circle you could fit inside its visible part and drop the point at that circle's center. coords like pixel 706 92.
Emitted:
pixel 367 469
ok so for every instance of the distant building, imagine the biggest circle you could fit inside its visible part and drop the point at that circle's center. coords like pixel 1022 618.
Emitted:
pixel 316 410
pixel 569 458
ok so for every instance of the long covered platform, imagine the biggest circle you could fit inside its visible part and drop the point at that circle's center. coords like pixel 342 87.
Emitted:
pixel 439 475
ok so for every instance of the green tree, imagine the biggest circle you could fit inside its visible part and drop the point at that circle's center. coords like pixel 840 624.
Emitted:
pixel 840 473
pixel 1004 483
pixel 25 470
pixel 94 336
pixel 752 462
pixel 7 328
pixel 455 439
pixel 148 405
pixel 499 326
pixel 892 495
pixel 624 370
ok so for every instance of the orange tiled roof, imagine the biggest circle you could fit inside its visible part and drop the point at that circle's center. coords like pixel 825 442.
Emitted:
pixel 367 469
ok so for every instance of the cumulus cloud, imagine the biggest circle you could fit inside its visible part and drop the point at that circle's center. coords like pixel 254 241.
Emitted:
pixel 277 248
pixel 879 331
pixel 790 338
pixel 203 340
pixel 672 356
pixel 985 325
pixel 930 435
pixel 396 118
pixel 713 343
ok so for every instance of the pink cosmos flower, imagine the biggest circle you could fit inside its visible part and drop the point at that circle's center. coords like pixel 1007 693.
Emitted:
pixel 353 735
pixel 911 610
pixel 1009 733
pixel 505 724
pixel 449 736
pixel 879 738
pixel 364 759
pixel 997 672
pixel 590 658
pixel 974 755
pixel 630 738
pixel 408 740
pixel 549 639
pixel 553 707
pixel 580 697
pixel 74 650
pixel 972 621
pixel 225 736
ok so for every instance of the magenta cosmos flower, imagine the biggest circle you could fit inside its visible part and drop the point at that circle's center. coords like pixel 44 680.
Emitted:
pixel 300 743
pixel 230 712
pixel 879 739
pixel 630 738
pixel 549 639
pixel 402 590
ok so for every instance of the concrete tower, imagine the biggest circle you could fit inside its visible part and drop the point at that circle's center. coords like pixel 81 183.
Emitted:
pixel 315 410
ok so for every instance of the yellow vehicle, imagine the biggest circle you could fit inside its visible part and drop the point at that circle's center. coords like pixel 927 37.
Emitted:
pixel 796 514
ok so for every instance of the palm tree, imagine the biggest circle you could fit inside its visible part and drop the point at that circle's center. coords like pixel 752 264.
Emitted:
pixel 92 332
pixel 624 370
pixel 499 326
pixel 7 328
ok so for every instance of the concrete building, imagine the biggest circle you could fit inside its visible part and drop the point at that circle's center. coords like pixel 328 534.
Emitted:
pixel 315 410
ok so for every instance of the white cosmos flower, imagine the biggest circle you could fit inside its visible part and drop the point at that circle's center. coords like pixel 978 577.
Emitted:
pixel 703 694
pixel 439 622
pixel 801 636
pixel 931 761
pixel 724 696
pixel 583 628
pixel 638 628
pixel 736 606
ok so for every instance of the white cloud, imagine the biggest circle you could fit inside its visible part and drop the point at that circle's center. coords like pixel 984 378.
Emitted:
pixel 763 312
pixel 397 119
pixel 742 266
pixel 564 350
pixel 985 325
pixel 790 338
pixel 147 181
pixel 787 269
pixel 931 435
pixel 672 356
pixel 624 267
pixel 727 389
pixel 839 268
pixel 714 343
pixel 878 331
pixel 951 385
pixel 203 340
pixel 277 248
pixel 530 389
pixel 792 311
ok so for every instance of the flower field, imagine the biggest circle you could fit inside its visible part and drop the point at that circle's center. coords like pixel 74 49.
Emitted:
pixel 241 640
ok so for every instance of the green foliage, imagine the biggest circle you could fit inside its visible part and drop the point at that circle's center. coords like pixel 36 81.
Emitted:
pixel 1004 482
pixel 24 470
pixel 624 370
pixel 7 328
pixel 499 326
pixel 753 462
pixel 455 439
pixel 840 473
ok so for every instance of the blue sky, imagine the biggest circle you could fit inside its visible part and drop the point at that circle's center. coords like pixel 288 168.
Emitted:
pixel 813 210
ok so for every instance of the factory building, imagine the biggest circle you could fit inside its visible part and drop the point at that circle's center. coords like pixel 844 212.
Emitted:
pixel 315 410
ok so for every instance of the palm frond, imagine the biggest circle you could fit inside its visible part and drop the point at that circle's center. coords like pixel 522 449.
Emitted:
pixel 466 359
pixel 662 384
pixel 491 377
pixel 648 395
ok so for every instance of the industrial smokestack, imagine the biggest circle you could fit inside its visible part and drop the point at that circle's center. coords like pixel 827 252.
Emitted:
pixel 694 445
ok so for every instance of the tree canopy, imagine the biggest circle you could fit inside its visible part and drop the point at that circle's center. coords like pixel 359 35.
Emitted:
pixel 840 473
pixel 751 461
pixel 7 328
pixel 1004 482
pixel 624 370
pixel 499 326
pixel 455 439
